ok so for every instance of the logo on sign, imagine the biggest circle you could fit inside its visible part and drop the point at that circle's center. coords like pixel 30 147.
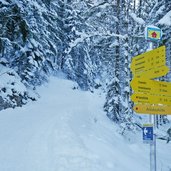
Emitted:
pixel 153 33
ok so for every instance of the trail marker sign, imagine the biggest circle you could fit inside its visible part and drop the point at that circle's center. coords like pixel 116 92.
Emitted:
pixel 153 109
pixel 153 33
pixel 148 133
pixel 149 60
pixel 151 86
pixel 144 98
pixel 153 73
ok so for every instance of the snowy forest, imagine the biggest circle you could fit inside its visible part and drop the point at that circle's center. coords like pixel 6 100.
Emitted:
pixel 65 85
pixel 91 41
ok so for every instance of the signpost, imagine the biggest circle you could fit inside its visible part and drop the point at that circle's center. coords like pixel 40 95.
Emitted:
pixel 152 109
pixel 151 96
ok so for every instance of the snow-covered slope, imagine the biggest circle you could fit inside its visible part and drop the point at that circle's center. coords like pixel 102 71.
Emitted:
pixel 67 130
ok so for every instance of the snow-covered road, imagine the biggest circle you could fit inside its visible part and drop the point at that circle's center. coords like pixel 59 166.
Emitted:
pixel 66 130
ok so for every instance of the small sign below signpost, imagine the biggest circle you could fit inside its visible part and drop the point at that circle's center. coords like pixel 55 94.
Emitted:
pixel 148 133
pixel 153 33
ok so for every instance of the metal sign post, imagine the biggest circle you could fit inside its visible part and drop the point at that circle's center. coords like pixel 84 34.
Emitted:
pixel 153 34
pixel 149 93
pixel 152 120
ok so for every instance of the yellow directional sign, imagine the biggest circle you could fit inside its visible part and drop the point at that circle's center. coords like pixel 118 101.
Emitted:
pixel 150 99
pixel 153 73
pixel 151 95
pixel 152 109
pixel 150 55
pixel 151 86
pixel 147 65
pixel 149 60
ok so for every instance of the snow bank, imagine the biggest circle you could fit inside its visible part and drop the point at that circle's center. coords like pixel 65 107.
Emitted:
pixel 67 130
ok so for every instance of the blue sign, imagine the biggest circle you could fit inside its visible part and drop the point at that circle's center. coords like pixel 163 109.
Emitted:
pixel 148 133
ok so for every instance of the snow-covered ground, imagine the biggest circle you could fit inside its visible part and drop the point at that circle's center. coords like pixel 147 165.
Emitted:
pixel 67 130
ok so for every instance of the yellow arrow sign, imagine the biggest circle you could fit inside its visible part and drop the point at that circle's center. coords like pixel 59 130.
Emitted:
pixel 149 60
pixel 152 109
pixel 147 65
pixel 150 99
pixel 150 55
pixel 151 86
pixel 153 73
